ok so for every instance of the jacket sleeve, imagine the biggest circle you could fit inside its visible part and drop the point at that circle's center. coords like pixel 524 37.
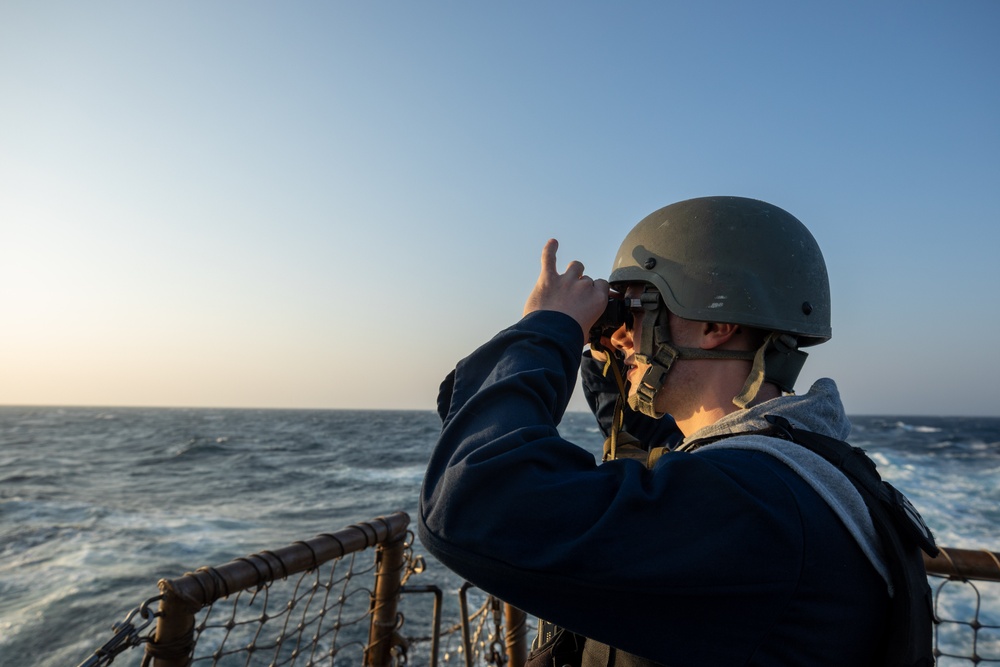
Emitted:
pixel 530 517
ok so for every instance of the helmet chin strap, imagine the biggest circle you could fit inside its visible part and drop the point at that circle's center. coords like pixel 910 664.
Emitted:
pixel 666 354
pixel 777 360
pixel 655 349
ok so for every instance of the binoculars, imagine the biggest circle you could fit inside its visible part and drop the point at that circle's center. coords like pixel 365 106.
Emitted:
pixel 616 313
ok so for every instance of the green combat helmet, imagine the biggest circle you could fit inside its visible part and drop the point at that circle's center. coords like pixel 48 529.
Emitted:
pixel 730 260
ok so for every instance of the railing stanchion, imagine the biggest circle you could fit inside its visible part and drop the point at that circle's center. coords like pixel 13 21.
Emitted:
pixel 173 640
pixel 515 635
pixel 388 581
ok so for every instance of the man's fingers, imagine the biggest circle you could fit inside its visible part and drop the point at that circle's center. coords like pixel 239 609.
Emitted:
pixel 572 293
pixel 549 256
pixel 574 268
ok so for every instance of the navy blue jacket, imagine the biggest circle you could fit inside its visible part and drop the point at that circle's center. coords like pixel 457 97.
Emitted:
pixel 723 557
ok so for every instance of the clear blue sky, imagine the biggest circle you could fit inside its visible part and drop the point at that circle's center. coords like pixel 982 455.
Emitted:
pixel 326 204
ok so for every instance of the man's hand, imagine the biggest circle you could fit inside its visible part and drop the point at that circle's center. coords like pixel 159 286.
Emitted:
pixel 572 292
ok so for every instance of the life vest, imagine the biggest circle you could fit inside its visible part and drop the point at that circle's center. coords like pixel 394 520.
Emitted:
pixel 901 530
pixel 903 534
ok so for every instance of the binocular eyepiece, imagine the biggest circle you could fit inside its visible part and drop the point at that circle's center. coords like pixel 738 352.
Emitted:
pixel 616 313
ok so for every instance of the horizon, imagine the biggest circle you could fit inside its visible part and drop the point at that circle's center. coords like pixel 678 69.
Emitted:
pixel 571 409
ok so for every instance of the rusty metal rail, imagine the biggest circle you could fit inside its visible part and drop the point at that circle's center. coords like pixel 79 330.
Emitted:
pixel 965 564
pixel 172 643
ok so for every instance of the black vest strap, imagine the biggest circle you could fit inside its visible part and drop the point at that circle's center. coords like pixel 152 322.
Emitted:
pixel 903 534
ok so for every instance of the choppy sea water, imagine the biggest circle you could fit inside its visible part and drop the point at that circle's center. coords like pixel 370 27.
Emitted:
pixel 98 504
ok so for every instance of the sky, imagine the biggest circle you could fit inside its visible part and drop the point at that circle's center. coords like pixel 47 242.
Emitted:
pixel 328 204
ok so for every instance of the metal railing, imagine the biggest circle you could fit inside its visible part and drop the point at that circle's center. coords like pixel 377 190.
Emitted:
pixel 326 610
pixel 308 600
pixel 966 631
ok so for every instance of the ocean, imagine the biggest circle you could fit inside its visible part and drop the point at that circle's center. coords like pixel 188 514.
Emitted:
pixel 98 504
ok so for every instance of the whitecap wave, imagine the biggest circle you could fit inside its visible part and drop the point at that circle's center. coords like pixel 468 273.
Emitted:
pixel 915 428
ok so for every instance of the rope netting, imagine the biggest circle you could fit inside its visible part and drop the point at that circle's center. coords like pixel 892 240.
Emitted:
pixel 966 588
pixel 310 603
pixel 327 601
pixel 321 601
pixel 318 616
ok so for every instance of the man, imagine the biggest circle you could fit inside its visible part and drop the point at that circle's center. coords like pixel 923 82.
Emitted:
pixel 732 549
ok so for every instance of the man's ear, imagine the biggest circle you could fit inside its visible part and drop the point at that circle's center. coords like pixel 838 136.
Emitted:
pixel 716 334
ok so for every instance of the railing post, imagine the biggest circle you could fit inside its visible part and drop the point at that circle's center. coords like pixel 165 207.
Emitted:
pixel 385 600
pixel 173 640
pixel 515 636
pixel 463 606
pixel 435 617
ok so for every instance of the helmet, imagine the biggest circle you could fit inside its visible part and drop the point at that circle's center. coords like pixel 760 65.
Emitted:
pixel 732 260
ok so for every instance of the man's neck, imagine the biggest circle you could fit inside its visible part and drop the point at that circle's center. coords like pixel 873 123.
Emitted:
pixel 718 407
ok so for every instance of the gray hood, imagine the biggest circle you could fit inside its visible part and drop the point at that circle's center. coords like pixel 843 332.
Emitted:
pixel 821 411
